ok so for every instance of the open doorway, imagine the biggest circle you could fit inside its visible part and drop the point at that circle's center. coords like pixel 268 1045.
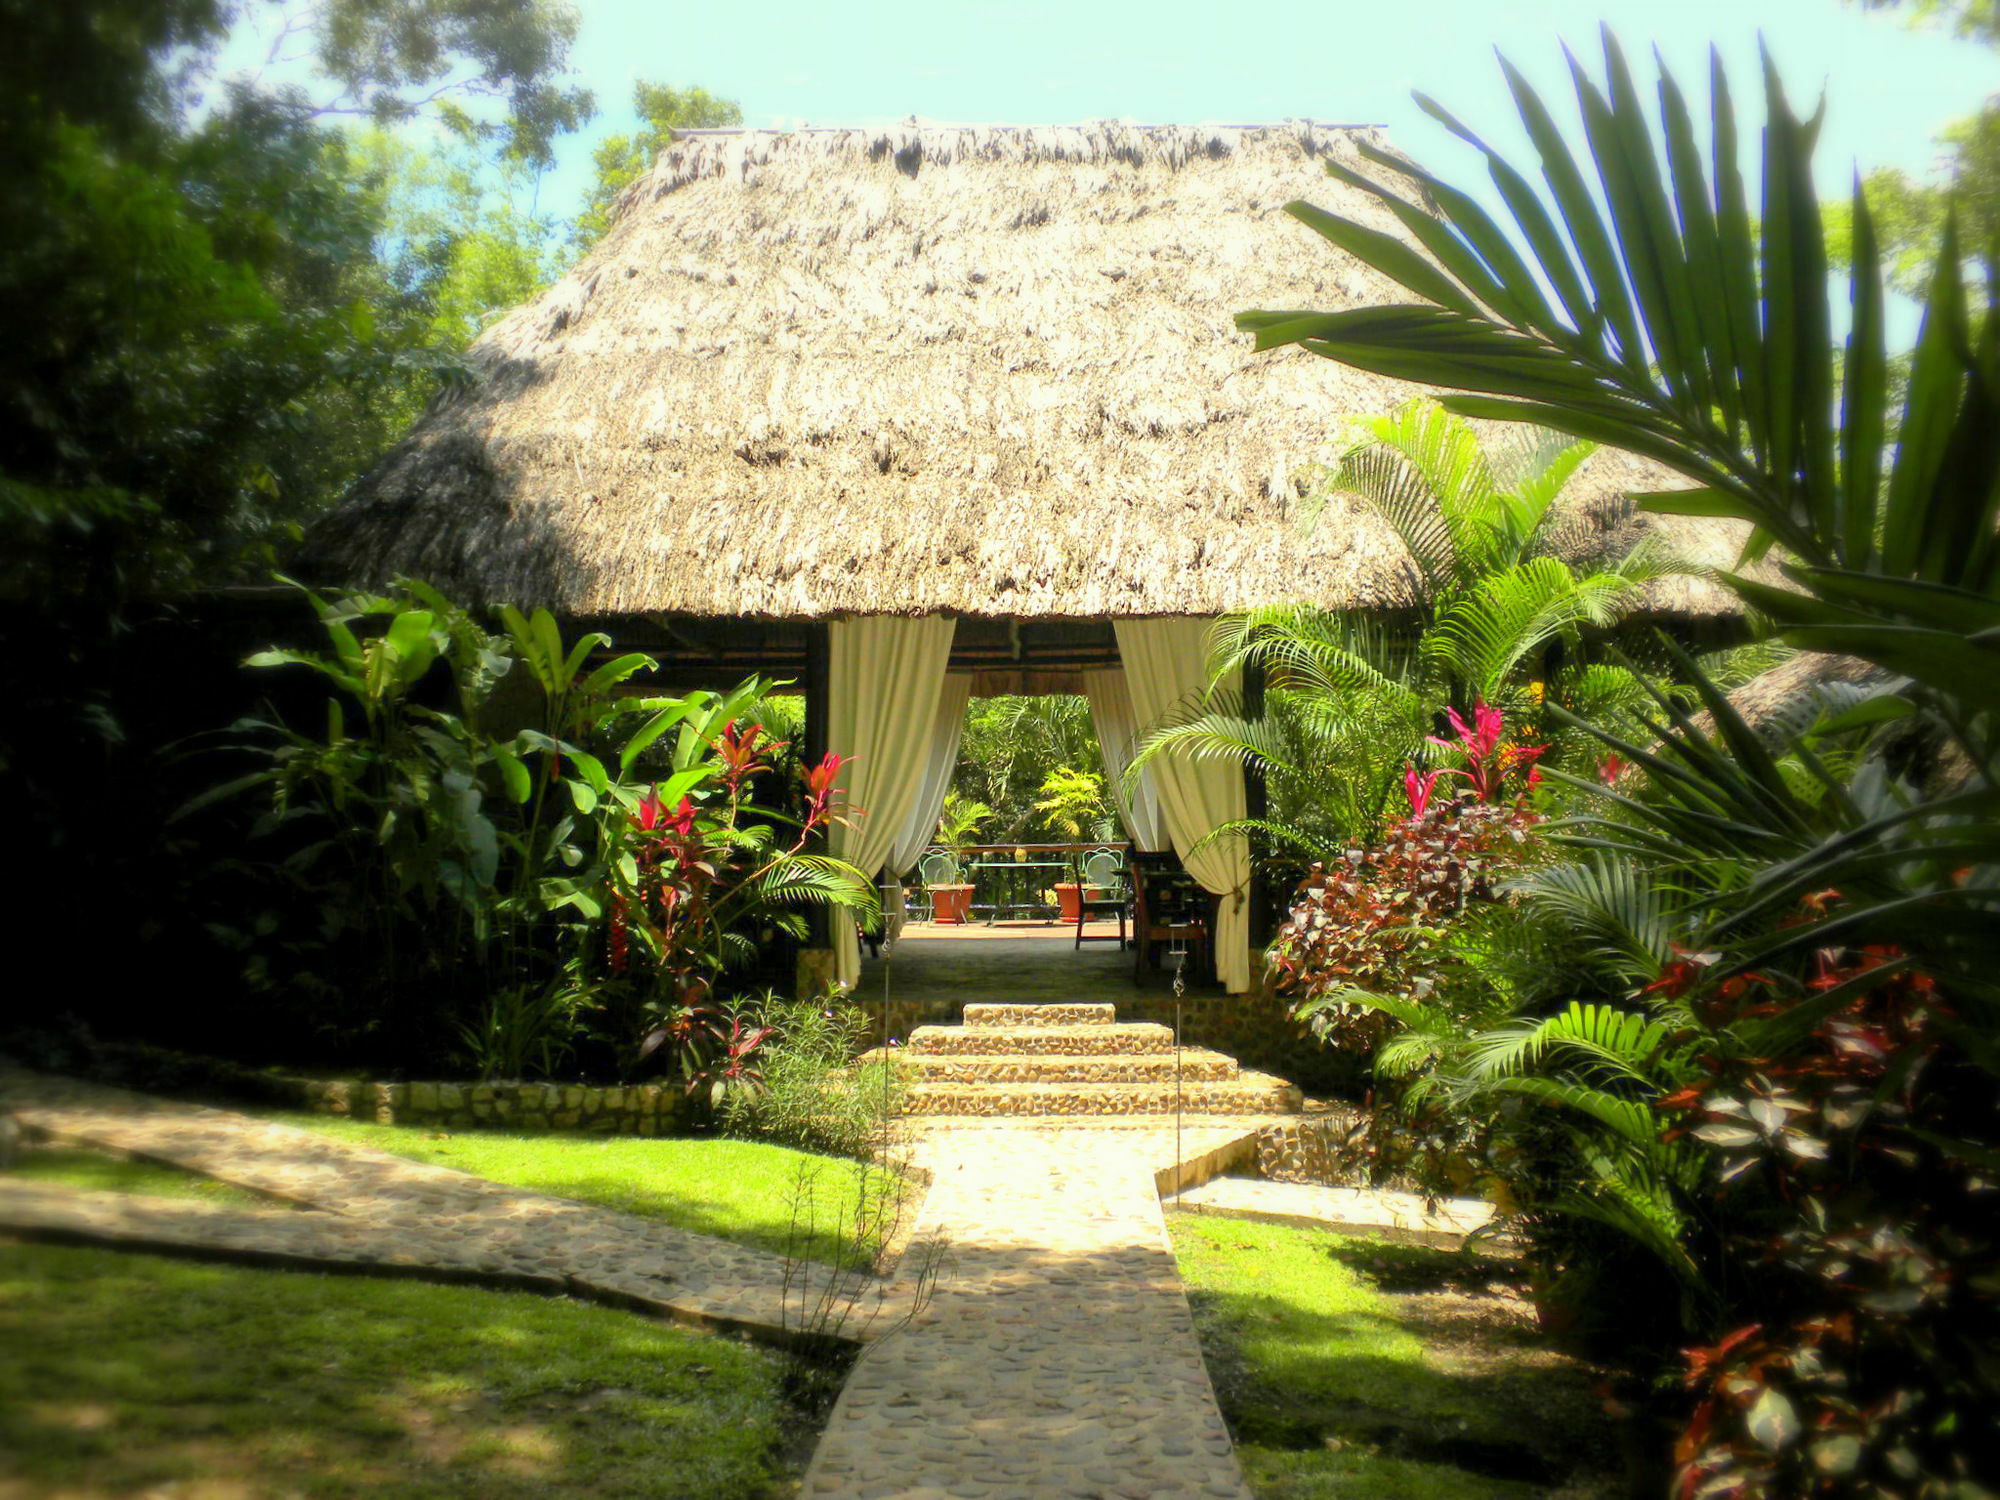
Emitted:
pixel 1027 891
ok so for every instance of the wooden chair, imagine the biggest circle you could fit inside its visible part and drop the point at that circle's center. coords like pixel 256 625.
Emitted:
pixel 1103 870
pixel 1168 906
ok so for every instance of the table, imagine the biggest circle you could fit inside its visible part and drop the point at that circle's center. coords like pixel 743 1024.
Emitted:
pixel 1022 879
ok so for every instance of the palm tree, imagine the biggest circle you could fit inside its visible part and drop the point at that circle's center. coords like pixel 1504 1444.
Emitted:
pixel 1496 616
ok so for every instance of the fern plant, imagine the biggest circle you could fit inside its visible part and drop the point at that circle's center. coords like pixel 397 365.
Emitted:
pixel 1497 616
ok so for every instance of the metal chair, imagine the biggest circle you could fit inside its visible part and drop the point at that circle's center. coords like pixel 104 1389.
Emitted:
pixel 1102 870
pixel 938 867
pixel 944 888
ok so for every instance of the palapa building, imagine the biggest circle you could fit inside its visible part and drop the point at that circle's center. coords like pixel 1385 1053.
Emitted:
pixel 916 412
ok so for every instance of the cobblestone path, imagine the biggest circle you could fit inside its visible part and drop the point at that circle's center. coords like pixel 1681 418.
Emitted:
pixel 1058 1358
pixel 370 1211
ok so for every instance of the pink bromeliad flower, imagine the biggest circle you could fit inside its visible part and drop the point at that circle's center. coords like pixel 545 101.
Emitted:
pixel 1478 738
pixel 1417 786
pixel 1486 765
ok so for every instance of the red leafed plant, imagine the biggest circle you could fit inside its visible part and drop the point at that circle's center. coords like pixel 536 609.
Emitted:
pixel 698 859
pixel 1488 762
pixel 1859 1215
pixel 1376 920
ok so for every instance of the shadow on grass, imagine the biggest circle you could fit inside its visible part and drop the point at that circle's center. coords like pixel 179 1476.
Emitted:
pixel 1302 1380
pixel 130 1372
pixel 1394 1267
pixel 1346 1354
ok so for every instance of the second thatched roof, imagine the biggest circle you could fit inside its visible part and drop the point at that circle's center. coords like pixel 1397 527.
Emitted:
pixel 984 370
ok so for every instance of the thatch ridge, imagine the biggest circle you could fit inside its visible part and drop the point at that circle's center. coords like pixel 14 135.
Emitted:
pixel 989 370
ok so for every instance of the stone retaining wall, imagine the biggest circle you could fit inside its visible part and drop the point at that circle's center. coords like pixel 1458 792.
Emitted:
pixel 633 1109
pixel 1309 1149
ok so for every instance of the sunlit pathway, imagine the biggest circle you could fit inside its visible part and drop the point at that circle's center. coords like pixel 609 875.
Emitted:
pixel 1058 1357
pixel 370 1211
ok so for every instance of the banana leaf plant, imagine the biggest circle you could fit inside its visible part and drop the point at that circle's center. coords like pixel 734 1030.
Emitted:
pixel 477 877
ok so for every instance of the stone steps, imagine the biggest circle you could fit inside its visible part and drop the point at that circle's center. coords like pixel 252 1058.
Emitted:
pixel 1041 1060
pixel 1246 1094
pixel 1196 1066
pixel 1125 1039
pixel 1041 1015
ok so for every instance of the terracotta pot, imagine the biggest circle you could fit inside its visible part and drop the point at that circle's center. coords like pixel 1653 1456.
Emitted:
pixel 951 903
pixel 1069 898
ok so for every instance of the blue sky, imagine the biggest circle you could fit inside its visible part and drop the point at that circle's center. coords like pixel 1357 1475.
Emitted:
pixel 1890 88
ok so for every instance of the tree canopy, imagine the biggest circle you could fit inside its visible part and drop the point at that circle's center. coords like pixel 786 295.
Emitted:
pixel 209 328
pixel 1909 212
pixel 621 158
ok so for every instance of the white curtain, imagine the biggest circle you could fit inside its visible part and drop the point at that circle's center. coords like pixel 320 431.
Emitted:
pixel 1166 665
pixel 885 677
pixel 947 725
pixel 1118 741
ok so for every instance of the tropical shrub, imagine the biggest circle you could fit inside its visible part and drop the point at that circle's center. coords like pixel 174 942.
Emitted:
pixel 1380 920
pixel 1497 616
pixel 1072 805
pixel 1822 929
pixel 1864 1229
pixel 813 1094
pixel 462 862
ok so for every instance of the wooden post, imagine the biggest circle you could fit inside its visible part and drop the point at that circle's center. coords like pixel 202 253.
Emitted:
pixel 818 683
pixel 1256 804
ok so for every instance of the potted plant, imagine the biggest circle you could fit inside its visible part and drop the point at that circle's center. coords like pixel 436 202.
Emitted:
pixel 1069 900
pixel 951 899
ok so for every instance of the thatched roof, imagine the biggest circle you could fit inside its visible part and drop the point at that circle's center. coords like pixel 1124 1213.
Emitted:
pixel 1788 698
pixel 983 370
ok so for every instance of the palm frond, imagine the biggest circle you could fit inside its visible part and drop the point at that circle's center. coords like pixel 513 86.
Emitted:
pixel 1393 488
pixel 1645 1207
pixel 817 880
pixel 1444 453
pixel 1619 905
pixel 1313 650
pixel 1628 1119
pixel 1616 1046
pixel 1307 841
pixel 1510 616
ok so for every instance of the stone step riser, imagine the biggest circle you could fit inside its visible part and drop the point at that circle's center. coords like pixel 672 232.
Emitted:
pixel 1041 1015
pixel 1028 1100
pixel 1195 1067
pixel 1014 1061
pixel 1136 1039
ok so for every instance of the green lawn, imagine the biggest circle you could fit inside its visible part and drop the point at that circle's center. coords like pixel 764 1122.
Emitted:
pixel 736 1190
pixel 1336 1385
pixel 127 1373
